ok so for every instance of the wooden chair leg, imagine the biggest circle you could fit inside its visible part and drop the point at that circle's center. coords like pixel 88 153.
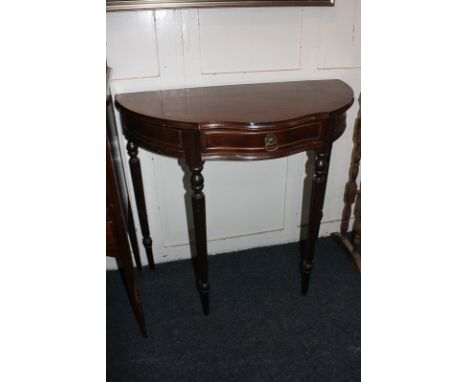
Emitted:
pixel 352 195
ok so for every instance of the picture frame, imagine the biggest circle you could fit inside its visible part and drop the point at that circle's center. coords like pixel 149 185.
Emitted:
pixel 127 5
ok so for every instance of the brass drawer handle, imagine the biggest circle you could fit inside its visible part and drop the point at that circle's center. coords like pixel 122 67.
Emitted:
pixel 271 142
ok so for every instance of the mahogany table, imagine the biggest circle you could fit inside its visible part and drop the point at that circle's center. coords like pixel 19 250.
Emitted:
pixel 239 122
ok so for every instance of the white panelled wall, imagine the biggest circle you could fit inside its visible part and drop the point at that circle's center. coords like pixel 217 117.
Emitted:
pixel 254 203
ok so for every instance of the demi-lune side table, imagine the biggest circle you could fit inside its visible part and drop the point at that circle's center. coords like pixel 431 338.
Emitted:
pixel 238 122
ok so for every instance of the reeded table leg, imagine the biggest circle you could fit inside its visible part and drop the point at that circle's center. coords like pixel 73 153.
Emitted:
pixel 199 217
pixel 137 181
pixel 315 215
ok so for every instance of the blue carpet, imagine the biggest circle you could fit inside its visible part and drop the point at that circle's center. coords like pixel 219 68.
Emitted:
pixel 260 327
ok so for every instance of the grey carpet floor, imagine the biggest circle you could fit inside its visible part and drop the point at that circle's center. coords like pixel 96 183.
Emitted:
pixel 260 327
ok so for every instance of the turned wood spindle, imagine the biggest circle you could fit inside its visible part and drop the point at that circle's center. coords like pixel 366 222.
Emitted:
pixel 137 180
pixel 315 216
pixel 351 186
pixel 199 217
pixel 352 195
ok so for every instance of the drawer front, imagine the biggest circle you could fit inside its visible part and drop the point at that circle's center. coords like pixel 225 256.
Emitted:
pixel 263 143
pixel 153 136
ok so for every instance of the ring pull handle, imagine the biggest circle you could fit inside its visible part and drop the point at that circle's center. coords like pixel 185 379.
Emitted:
pixel 271 142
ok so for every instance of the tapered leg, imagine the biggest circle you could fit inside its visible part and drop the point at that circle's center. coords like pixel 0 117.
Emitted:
pixel 137 181
pixel 199 217
pixel 133 238
pixel 315 215
pixel 126 269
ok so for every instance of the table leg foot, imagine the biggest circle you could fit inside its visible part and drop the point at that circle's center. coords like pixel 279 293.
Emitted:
pixel 305 277
pixel 203 290
pixel 131 285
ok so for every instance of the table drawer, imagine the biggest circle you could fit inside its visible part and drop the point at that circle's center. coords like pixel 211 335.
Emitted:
pixel 153 136
pixel 263 142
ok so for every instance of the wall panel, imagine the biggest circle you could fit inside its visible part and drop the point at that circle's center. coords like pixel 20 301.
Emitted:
pixel 340 36
pixel 241 198
pixel 131 44
pixel 250 40
pixel 248 203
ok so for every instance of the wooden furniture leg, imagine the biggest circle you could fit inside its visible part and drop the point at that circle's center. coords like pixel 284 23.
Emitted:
pixel 119 219
pixel 117 245
pixel 137 181
pixel 199 218
pixel 319 183
pixel 351 186
pixel 132 237
pixel 357 231
pixel 352 195
pixel 125 265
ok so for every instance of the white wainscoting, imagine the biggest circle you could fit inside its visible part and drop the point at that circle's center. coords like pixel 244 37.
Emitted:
pixel 254 46
pixel 249 204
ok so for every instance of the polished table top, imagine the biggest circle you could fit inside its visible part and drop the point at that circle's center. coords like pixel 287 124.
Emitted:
pixel 242 122
pixel 252 103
